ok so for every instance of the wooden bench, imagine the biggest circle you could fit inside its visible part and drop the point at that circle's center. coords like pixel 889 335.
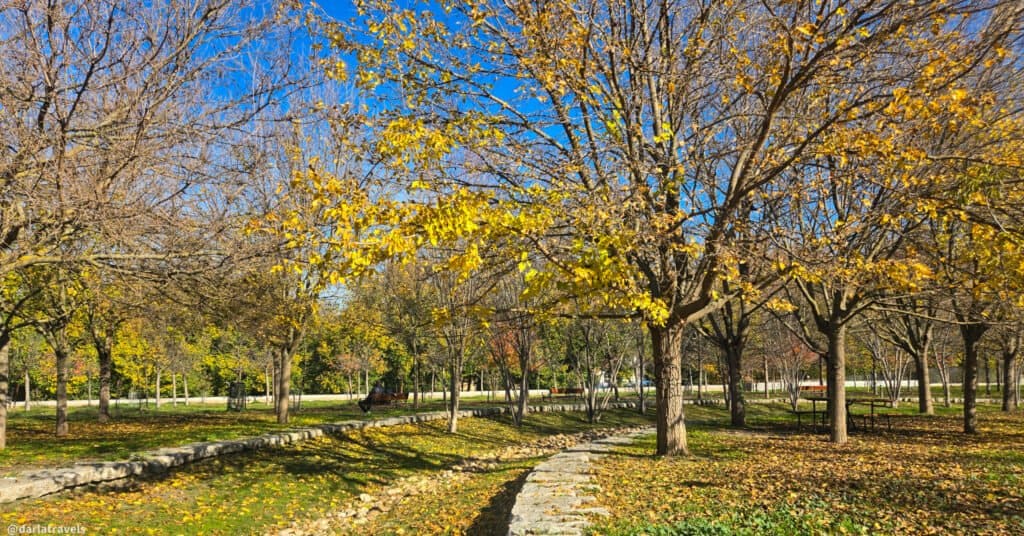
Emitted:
pixel 814 389
pixel 563 392
pixel 386 399
pixel 814 413
pixel 382 399
pixel 873 418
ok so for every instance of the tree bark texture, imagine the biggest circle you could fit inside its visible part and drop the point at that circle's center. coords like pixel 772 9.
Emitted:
pixel 837 384
pixel 105 357
pixel 61 354
pixel 455 385
pixel 1011 347
pixel 667 344
pixel 737 404
pixel 5 362
pixel 971 335
pixel 284 385
pixel 924 386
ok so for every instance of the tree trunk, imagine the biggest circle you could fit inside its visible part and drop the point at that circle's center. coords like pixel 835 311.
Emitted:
pixel 667 345
pixel 28 395
pixel 1010 379
pixel 767 389
pixel 106 362
pixel 184 385
pixel 837 384
pixel 971 335
pixel 988 377
pixel 700 376
pixel 642 406
pixel 275 378
pixel 1017 386
pixel 417 383
pixel 737 404
pixel 61 354
pixel 266 385
pixel 874 377
pixel 944 378
pixel 174 388
pixel 158 372
pixel 924 387
pixel 284 386
pixel 454 385
pixel 5 365
pixel 524 396
pixel 947 393
pixel 414 346
pixel 726 392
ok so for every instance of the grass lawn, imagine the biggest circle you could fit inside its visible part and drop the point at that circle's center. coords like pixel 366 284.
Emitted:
pixel 255 492
pixel 31 443
pixel 924 477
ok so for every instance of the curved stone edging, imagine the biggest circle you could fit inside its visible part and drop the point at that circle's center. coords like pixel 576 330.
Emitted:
pixel 556 495
pixel 49 481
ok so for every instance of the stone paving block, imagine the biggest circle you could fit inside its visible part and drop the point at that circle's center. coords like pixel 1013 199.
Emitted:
pixel 555 496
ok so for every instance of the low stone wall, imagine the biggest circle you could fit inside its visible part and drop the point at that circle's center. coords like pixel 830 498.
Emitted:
pixel 556 498
pixel 49 481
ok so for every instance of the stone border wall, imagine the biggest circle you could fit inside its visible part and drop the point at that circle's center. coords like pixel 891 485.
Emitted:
pixel 49 481
pixel 556 498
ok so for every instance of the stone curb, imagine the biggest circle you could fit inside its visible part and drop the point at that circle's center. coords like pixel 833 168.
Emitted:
pixel 49 481
pixel 556 497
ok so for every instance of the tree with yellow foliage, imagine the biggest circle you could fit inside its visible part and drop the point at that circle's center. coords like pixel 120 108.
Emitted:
pixel 620 144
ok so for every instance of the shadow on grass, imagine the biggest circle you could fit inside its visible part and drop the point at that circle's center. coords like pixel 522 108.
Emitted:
pixel 494 517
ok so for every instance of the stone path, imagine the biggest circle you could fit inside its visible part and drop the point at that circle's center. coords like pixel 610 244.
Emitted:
pixel 363 509
pixel 556 498
pixel 49 481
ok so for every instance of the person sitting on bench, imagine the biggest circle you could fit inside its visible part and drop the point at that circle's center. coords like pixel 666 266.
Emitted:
pixel 377 390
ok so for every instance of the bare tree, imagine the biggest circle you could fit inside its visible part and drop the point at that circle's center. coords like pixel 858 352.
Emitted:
pixel 910 326
pixel 114 119
pixel 946 358
pixel 893 362
pixel 789 355
pixel 517 335
pixel 1009 340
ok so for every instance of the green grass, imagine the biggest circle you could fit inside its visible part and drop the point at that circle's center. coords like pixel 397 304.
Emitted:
pixel 256 491
pixel 31 442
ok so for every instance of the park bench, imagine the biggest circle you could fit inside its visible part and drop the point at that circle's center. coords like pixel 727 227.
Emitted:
pixel 816 393
pixel 819 390
pixel 817 416
pixel 386 399
pixel 873 418
pixel 563 392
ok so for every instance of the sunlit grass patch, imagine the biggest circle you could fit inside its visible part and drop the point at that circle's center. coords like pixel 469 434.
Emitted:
pixel 925 477
pixel 256 491
pixel 31 442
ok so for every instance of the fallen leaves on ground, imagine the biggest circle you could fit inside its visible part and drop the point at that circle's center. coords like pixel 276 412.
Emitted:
pixel 267 489
pixel 925 477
